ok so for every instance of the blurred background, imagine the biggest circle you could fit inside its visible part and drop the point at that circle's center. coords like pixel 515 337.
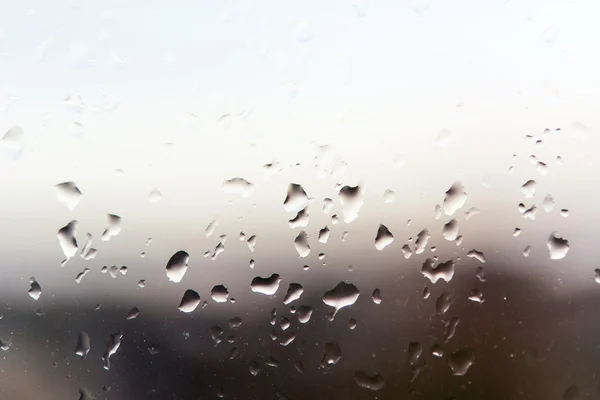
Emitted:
pixel 429 167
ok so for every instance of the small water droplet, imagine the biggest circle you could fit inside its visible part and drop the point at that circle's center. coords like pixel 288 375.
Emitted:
pixel 177 266
pixel 450 230
pixel 377 296
pixel 529 188
pixel 331 354
pixel 372 382
pixel 301 244
pixel 155 196
pixel 267 286
pixel 526 251
pixel 68 194
pixel 564 213
pixel 352 324
pixel 13 143
pixel 389 196
pixel 460 361
pixel 406 251
pixel 304 313
pixel 415 349
pixel 542 168
pixel 548 203
pixel 297 199
pixel 142 283
pixel 287 338
pixel 66 239
pixel 216 334
pixel 426 293
pixel 517 232
pixel 444 138
pixel 251 242
pixel 443 303
pixel 383 238
pixel 476 295
pixel 530 213
pixel 437 351
pixel 35 290
pixel 557 246
pixel 189 301
pixel 219 294
pixel 254 368
pixel 327 205
pixel 334 219
pixel 80 275
pixel 472 211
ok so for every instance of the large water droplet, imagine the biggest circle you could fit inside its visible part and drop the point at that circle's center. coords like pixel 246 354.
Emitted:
pixel 114 341
pixel 301 244
pixel 189 301
pixel 177 266
pixel 460 361
pixel 13 143
pixel 529 188
pixel 421 241
pixel 351 198
pixel 296 198
pixel 372 382
pixel 35 290
pixel 67 241
pixel 219 294
pixel 383 238
pixel 450 230
pixel 83 345
pixel 69 194
pixel 113 227
pixel 343 295
pixel 238 186
pixel 267 286
pixel 294 292
pixel 557 246
pixel 300 220
pixel 444 271
pixel 331 355
pixel 455 198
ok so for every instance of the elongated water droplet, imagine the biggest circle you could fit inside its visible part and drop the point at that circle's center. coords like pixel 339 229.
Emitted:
pixel 238 186
pixel 526 251
pixel 421 241
pixel 294 292
pixel 343 295
pixel 383 238
pixel 476 296
pixel 437 212
pixel 331 355
pixel 460 361
pixel 455 198
pixel 189 301
pixel 450 230
pixel 450 328
pixel 300 220
pixel 113 227
pixel 351 198
pixel 219 294
pixel 114 342
pixel 216 334
pixel 444 271
pixel 476 254
pixel 372 382
pixel 480 274
pixel 68 194
pixel 415 349
pixel 210 228
pixel 83 345
pixel 529 188
pixel 296 198
pixel 301 244
pixel 327 205
pixel 557 246
pixel 530 213
pixel 133 313
pixel 177 266
pixel 267 286
pixel 517 232
pixel 80 275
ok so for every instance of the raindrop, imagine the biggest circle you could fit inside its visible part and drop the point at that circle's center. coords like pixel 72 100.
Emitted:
pixel 372 382
pixel 251 264
pixel 444 271
pixel 426 293
pixel 287 338
pixel 460 361
pixel 572 393
pixel 219 294
pixel 155 196
pixel 219 248
pixel 189 301
pixel 238 186
pixel 67 241
pixel 296 199
pixel 384 238
pixel 450 329
pixel 216 333
pixel 557 246
pixel 35 290
pixel 455 198
pixel 437 351
pixel 133 313
pixel 415 349
pixel 564 213
pixel 480 274
pixel 88 253
pixel 114 341
pixel 421 241
pixel 327 205
pixel 324 235
pixel 13 143
pixel 334 219
pixel 343 295
pixel 406 251
pixel 294 292
pixel 284 323
pixel 351 198
pixel 242 236
pixel 267 286
pixel 5 344
pixel 526 251
pixel 521 208
pixel 476 254
pixel 450 230
pixel 352 324
pixel 177 266
pixel 377 296
pixel 299 366
pixel 304 313
pixel 331 355
pixel 83 345
pixel 300 220
pixel 548 203
pixel 235 323
pixel 344 236
pixel 301 244
pixel 444 138
pixel 517 232
pixel 123 270
pixel 113 227
pixel 476 296
pixel 559 160
pixel 529 188
pixel 254 368
pixel 389 196
pixel 68 194
pixel 80 275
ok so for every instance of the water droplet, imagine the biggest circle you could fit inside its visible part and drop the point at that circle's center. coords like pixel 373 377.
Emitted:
pixel 284 323
pixel 5 344
pixel 123 270
pixel 564 213
pixel 303 32
pixel 450 230
pixel 542 168
pixel 297 199
pixel 219 248
pixel 189 301
pixel 133 313
pixel 450 328
pixel 88 253
pixel 83 345
pixel 384 238
pixel 155 196
pixel 67 241
pixel 352 324
pixel 300 220
pixel 301 244
pixel 327 205
pixel 480 274
pixel 443 303
pixel 529 188
pixel 238 186
pixel 476 254
pixel 444 271
pixel 437 351
pixel 472 211
pixel 559 160
pixel 548 203
pixel 13 143
pixel 421 241
pixel 287 338
pixel 351 198
pixel 267 286
pixel 572 393
pixel 521 207
pixel 476 296
pixel 142 283
pixel 437 213
pixel 420 6
pixel 216 333
pixel 242 236
pixel 251 264
pixel 304 313
pixel 74 103
pixel 235 323
pixel 460 361
pixel 80 275
pixel 377 296
pixel 517 232
pixel 68 194
pixel 334 219
pixel 254 368
pixel 177 266
pixel 530 213
pixel 444 138
pixel 294 292
pixel 35 290
pixel 114 341
pixel 251 242
pixel 455 198
pixel 406 251
pixel 415 349
pixel 113 227
pixel 343 295
pixel 331 355
pixel 526 251
pixel 324 235
pixel 557 246
pixel 219 294
pixel 389 196
pixel 372 382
